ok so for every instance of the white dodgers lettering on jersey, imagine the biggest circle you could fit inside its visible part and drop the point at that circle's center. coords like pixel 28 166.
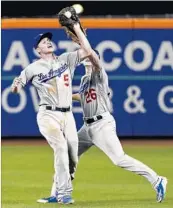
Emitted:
pixel 52 73
pixel 53 79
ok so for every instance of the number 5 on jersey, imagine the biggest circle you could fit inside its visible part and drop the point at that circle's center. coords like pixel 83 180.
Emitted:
pixel 66 80
pixel 90 95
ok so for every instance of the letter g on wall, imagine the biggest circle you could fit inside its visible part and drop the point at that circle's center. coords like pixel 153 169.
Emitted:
pixel 161 99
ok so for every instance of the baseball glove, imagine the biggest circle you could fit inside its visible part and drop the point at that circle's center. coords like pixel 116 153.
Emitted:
pixel 67 18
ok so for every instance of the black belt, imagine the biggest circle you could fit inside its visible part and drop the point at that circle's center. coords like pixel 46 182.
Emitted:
pixel 57 109
pixel 91 120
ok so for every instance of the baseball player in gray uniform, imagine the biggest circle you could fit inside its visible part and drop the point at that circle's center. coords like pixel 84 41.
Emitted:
pixel 99 126
pixel 52 75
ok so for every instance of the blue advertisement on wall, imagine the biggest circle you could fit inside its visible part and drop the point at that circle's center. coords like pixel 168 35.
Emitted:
pixel 139 64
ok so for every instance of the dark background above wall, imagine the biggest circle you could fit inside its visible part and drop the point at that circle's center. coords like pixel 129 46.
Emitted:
pixel 91 8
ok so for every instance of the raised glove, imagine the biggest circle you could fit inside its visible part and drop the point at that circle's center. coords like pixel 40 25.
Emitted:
pixel 67 18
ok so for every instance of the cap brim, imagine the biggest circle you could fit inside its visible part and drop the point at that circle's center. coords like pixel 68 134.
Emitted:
pixel 45 35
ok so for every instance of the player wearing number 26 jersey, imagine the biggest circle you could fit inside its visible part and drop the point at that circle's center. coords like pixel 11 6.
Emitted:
pixel 94 92
pixel 99 127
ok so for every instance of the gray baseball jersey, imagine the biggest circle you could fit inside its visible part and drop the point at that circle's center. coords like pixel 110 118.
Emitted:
pixel 52 79
pixel 94 92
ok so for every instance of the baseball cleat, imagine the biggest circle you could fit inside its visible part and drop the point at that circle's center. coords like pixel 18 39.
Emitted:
pixel 161 189
pixel 51 199
pixel 66 200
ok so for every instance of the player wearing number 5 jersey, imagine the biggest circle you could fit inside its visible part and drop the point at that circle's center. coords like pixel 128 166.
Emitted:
pixel 52 75
pixel 99 127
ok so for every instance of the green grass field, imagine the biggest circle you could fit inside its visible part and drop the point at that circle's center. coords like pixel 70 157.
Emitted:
pixel 27 175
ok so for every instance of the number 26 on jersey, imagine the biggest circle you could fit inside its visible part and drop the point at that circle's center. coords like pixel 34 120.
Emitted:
pixel 90 95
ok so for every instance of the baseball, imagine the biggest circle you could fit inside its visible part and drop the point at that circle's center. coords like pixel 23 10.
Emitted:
pixel 67 14
pixel 79 8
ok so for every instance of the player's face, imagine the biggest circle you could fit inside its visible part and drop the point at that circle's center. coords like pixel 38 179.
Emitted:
pixel 45 46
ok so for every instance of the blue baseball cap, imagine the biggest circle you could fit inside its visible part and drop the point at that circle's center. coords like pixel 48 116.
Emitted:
pixel 39 37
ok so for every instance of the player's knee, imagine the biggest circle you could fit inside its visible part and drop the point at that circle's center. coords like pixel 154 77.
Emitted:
pixel 61 149
pixel 119 160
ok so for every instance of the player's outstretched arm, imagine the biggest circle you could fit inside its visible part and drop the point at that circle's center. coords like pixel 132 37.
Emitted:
pixel 86 51
pixel 20 81
pixel 69 19
pixel 76 97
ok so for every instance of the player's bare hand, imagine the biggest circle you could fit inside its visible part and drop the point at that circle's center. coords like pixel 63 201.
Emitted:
pixel 15 85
